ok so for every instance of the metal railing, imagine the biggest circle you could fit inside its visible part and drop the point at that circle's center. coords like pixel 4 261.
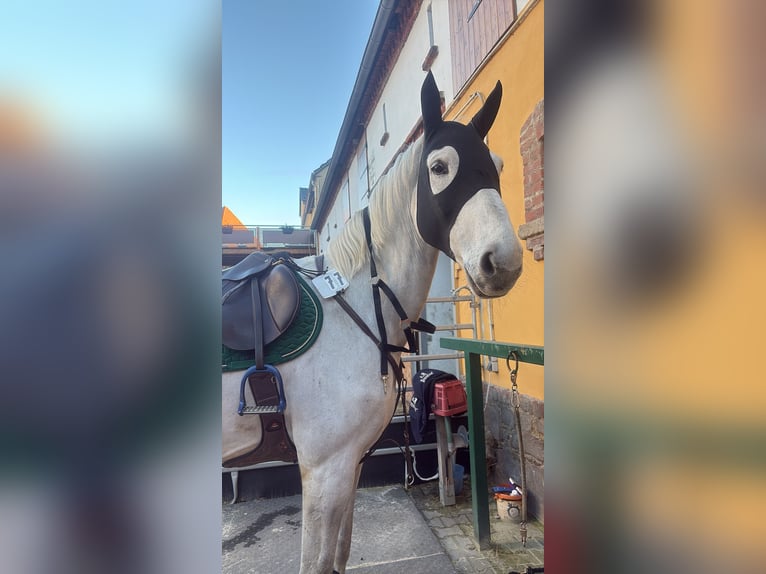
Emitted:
pixel 472 326
pixel 268 236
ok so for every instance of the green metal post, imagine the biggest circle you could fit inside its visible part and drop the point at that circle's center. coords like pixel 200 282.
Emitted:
pixel 477 454
pixel 474 349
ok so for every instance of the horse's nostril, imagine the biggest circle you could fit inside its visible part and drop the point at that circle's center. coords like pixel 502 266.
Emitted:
pixel 487 263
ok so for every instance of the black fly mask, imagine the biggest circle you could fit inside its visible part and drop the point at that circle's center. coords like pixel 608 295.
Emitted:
pixel 455 164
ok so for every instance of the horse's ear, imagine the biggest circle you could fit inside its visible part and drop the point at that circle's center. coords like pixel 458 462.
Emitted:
pixel 430 104
pixel 485 117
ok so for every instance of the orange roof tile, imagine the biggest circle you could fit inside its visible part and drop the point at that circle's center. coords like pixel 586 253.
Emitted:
pixel 228 218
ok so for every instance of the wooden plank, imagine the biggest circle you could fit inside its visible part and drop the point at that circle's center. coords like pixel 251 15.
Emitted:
pixel 446 478
pixel 472 40
pixel 454 19
pixel 495 24
pixel 469 49
pixel 491 25
pixel 483 30
pixel 507 7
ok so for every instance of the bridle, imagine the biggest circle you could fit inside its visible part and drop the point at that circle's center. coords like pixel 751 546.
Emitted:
pixel 381 341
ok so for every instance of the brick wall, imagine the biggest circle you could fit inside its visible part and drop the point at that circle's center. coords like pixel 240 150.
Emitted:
pixel 503 446
pixel 531 145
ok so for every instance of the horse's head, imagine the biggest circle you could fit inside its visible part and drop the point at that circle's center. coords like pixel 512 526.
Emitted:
pixel 459 210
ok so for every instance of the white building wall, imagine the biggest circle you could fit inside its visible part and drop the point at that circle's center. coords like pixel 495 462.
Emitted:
pixel 401 95
pixel 342 208
pixel 325 235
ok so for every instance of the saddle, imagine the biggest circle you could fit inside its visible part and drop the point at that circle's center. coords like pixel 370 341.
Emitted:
pixel 260 300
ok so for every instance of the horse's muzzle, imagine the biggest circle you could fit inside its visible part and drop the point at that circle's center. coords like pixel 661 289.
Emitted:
pixel 491 279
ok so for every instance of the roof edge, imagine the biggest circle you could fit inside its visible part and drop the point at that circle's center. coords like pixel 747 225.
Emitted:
pixel 386 11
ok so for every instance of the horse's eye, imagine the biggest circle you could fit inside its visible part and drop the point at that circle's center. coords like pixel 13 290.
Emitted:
pixel 439 168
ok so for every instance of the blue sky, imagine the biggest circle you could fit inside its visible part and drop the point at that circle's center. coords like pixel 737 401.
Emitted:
pixel 288 71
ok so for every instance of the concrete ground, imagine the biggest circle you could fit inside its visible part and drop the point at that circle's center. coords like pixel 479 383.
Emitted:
pixel 394 531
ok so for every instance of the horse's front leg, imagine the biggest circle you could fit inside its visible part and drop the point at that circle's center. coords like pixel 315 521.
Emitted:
pixel 328 490
pixel 343 549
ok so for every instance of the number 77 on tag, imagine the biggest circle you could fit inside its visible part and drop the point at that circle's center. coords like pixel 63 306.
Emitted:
pixel 331 283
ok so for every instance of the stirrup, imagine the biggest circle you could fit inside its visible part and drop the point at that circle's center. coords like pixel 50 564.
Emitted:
pixel 261 409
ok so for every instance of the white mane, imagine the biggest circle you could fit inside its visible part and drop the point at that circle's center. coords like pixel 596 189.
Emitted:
pixel 390 214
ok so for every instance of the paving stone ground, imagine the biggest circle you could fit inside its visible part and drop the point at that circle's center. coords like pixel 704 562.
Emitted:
pixel 453 526
pixel 391 535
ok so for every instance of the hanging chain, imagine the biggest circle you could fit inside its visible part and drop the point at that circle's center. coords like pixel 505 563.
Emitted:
pixel 523 533
pixel 514 385
pixel 516 402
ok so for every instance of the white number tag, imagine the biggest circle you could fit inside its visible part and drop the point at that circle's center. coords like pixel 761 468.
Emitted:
pixel 330 283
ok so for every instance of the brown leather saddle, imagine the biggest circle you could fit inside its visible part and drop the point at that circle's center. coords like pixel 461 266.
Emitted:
pixel 260 300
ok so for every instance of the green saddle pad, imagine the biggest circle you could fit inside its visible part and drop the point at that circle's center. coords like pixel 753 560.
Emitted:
pixel 298 338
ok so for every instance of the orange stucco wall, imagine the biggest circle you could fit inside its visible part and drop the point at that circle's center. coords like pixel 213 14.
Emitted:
pixel 519 65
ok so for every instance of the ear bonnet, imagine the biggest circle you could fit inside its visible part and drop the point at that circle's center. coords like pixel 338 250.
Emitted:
pixel 436 214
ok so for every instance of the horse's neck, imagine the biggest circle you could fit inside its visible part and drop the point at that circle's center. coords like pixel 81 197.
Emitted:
pixel 408 268
pixel 403 260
